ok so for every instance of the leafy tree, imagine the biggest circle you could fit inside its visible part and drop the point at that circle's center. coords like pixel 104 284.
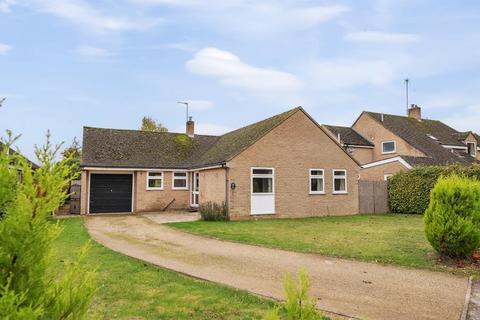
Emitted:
pixel 72 155
pixel 148 124
pixel 298 305
pixel 452 220
pixel 30 285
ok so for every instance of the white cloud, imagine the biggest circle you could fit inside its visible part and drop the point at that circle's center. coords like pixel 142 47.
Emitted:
pixel 231 71
pixel 6 4
pixel 82 14
pixel 346 73
pixel 91 51
pixel 381 37
pixel 207 129
pixel 199 104
pixel 468 119
pixel 4 49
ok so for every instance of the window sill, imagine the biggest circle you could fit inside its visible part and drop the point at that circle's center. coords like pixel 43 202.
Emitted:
pixel 315 193
pixel 154 189
pixel 180 189
pixel 339 192
pixel 389 152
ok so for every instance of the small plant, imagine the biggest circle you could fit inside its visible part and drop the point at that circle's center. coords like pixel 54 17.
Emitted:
pixel 298 305
pixel 212 211
pixel 452 220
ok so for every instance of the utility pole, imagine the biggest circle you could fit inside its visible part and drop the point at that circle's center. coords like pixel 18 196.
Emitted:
pixel 2 100
pixel 186 104
pixel 406 91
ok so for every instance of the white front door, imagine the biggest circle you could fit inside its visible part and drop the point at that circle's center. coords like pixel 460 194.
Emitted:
pixel 262 191
pixel 195 189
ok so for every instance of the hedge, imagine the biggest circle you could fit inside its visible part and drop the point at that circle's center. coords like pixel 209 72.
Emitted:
pixel 409 191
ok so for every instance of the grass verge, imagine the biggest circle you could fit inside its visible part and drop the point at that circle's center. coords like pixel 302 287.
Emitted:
pixel 389 238
pixel 131 289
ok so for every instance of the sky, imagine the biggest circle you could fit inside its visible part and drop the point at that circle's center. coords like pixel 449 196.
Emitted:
pixel 65 64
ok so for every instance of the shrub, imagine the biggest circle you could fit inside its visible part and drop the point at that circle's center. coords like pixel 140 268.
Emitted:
pixel 30 286
pixel 409 191
pixel 212 211
pixel 452 220
pixel 298 305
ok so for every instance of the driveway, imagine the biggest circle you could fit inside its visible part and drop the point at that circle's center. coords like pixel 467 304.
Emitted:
pixel 355 289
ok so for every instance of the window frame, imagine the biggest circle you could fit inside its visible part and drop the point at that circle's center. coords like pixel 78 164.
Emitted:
pixel 180 178
pixel 337 177
pixel 148 178
pixel 386 176
pixel 310 177
pixel 394 147
pixel 474 148
pixel 257 175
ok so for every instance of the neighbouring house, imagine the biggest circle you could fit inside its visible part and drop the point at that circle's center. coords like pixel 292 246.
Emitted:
pixel 11 151
pixel 385 144
pixel 284 166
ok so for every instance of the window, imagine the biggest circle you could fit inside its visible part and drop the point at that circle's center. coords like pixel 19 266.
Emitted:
pixel 179 181
pixel 339 181
pixel 262 181
pixel 387 176
pixel 388 147
pixel 317 183
pixel 472 148
pixel 155 181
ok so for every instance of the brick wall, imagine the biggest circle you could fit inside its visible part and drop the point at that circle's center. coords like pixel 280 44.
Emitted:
pixel 377 173
pixel 212 185
pixel 293 148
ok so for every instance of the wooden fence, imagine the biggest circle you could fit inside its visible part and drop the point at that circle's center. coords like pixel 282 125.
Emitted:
pixel 373 197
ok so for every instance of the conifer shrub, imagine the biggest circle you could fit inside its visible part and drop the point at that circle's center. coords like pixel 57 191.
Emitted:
pixel 32 286
pixel 212 211
pixel 452 220
pixel 298 305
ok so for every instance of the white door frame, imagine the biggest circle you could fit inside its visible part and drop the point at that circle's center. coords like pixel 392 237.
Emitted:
pixel 262 203
pixel 195 189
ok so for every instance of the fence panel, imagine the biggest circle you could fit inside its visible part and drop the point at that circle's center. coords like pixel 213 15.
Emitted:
pixel 373 196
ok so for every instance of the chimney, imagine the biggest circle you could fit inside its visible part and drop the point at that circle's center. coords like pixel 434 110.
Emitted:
pixel 190 127
pixel 415 112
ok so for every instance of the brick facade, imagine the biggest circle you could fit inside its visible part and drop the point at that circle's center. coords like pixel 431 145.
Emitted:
pixel 378 173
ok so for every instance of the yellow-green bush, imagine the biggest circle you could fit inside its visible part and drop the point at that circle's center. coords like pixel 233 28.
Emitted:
pixel 211 211
pixel 452 220
pixel 409 191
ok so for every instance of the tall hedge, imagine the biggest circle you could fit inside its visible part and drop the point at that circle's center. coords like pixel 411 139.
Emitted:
pixel 409 191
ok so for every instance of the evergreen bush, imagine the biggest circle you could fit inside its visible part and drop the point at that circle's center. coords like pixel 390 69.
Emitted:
pixel 30 284
pixel 452 220
pixel 409 191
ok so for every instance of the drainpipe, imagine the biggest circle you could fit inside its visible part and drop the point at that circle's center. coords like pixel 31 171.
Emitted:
pixel 227 189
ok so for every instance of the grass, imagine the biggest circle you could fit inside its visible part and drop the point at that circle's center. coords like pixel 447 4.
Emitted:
pixel 390 238
pixel 131 289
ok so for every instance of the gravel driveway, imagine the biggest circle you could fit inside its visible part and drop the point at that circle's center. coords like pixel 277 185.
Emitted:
pixel 351 288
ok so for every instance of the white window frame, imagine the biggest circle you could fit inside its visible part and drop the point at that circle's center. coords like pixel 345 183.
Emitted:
pixel 162 177
pixel 310 177
pixel 336 177
pixel 394 147
pixel 180 178
pixel 474 148
pixel 256 175
pixel 387 175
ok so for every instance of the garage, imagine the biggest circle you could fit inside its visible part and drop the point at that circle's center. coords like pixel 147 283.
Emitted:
pixel 110 193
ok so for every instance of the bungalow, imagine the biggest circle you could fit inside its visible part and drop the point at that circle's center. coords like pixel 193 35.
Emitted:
pixel 284 166
pixel 385 144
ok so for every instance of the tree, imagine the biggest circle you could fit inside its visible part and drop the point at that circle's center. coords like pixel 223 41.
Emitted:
pixel 72 155
pixel 30 285
pixel 148 124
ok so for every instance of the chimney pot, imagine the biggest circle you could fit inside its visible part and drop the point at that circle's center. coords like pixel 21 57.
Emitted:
pixel 415 112
pixel 190 127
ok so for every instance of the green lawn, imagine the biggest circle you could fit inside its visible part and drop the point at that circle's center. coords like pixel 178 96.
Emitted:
pixel 131 289
pixel 389 238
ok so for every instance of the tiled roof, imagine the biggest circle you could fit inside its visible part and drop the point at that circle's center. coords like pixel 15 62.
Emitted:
pixel 140 149
pixel 349 136
pixel 428 136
